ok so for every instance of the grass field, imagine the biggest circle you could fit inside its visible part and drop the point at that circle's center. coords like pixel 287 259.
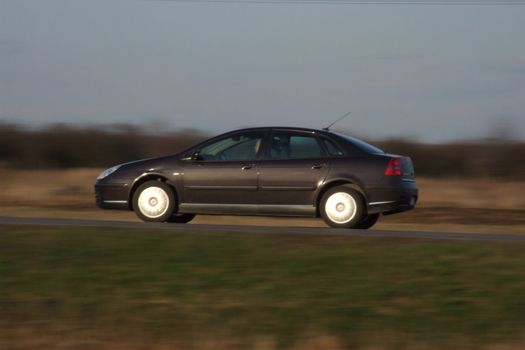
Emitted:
pixel 135 289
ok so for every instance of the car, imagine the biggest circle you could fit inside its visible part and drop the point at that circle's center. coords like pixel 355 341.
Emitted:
pixel 272 171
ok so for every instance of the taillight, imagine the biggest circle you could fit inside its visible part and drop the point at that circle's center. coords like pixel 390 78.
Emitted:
pixel 394 167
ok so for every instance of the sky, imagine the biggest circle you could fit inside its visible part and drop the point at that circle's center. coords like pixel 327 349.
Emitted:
pixel 434 72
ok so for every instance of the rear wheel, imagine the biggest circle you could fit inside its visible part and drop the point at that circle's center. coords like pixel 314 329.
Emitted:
pixel 181 218
pixel 367 222
pixel 342 207
pixel 154 201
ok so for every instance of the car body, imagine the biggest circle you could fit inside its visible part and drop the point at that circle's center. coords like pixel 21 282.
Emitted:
pixel 274 171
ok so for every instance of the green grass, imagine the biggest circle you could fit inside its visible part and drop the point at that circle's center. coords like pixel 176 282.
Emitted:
pixel 179 287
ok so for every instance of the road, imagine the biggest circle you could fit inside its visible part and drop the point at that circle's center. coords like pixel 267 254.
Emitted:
pixel 200 228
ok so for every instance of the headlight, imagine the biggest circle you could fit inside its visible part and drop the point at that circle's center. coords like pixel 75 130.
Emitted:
pixel 108 172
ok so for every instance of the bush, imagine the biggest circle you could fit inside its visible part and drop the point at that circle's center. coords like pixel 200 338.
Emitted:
pixel 63 146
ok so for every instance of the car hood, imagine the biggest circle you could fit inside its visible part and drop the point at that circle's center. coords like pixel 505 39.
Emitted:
pixel 148 163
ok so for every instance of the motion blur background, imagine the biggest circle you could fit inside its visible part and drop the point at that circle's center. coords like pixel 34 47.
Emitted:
pixel 97 83
pixel 87 85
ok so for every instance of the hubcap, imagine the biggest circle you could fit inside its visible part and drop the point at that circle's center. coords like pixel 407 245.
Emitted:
pixel 340 207
pixel 153 202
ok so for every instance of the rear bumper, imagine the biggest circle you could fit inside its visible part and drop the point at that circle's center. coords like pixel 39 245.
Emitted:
pixel 112 196
pixel 392 200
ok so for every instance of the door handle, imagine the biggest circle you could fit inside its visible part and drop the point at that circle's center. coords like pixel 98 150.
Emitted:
pixel 247 167
pixel 317 166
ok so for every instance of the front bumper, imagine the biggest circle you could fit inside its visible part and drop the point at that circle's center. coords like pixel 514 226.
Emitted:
pixel 112 196
pixel 392 200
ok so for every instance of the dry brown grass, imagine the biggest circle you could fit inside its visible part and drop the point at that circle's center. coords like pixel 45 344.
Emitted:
pixel 480 205
pixel 472 193
pixel 48 188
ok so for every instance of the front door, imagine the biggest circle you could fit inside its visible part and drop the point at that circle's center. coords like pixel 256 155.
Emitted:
pixel 224 172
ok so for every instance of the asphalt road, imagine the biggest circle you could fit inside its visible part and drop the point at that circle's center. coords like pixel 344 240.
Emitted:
pixel 200 228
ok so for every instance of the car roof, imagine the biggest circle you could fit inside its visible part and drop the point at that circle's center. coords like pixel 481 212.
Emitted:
pixel 349 142
pixel 288 128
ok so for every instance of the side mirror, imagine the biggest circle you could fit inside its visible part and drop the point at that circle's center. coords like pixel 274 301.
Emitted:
pixel 195 156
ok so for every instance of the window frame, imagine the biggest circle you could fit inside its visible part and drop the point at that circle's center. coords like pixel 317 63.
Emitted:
pixel 197 149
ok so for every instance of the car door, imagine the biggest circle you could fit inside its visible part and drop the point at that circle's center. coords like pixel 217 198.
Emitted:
pixel 223 172
pixel 295 165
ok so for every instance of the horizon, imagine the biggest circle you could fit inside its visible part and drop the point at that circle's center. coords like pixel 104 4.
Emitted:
pixel 503 134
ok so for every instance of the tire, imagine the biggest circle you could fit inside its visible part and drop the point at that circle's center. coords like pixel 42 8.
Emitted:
pixel 154 201
pixel 181 218
pixel 342 207
pixel 367 222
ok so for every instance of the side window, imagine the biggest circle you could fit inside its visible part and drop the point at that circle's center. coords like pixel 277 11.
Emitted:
pixel 333 149
pixel 233 148
pixel 295 146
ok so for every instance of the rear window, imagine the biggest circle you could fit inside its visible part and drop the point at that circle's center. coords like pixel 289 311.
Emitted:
pixel 333 149
pixel 361 145
pixel 289 146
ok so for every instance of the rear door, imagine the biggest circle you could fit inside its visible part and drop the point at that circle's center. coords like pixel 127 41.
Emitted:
pixel 294 166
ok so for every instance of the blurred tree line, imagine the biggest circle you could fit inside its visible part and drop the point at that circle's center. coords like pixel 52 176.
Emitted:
pixel 496 158
pixel 65 146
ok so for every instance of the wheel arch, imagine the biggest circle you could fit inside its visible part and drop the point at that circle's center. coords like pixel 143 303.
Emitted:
pixel 334 183
pixel 150 177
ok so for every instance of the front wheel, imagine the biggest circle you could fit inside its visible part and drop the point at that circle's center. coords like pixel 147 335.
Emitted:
pixel 342 207
pixel 154 201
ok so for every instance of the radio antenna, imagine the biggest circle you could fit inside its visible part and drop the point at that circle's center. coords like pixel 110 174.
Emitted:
pixel 337 120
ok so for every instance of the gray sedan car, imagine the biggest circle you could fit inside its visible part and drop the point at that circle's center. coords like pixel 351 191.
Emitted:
pixel 273 171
